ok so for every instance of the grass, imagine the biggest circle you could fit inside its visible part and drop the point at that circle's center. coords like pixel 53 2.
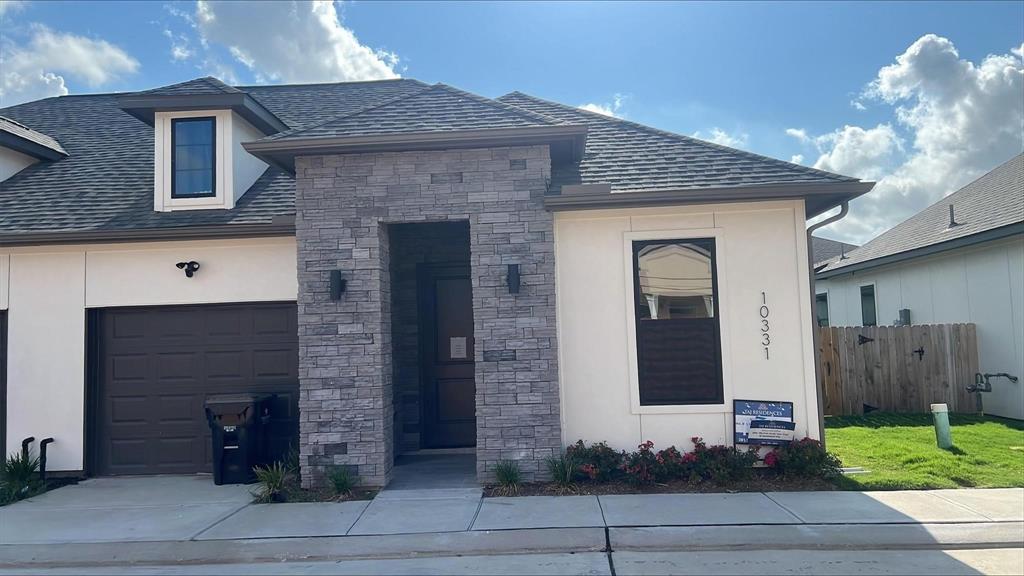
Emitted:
pixel 899 451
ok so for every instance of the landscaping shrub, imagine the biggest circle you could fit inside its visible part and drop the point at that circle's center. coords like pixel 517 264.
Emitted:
pixel 562 469
pixel 272 479
pixel 673 465
pixel 805 458
pixel 19 477
pixel 341 479
pixel 597 462
pixel 720 463
pixel 640 466
pixel 508 475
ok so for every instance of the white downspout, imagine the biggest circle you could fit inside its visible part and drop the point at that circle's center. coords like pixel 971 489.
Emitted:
pixel 844 208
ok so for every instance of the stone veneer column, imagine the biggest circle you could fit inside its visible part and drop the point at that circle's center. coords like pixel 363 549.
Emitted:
pixel 344 204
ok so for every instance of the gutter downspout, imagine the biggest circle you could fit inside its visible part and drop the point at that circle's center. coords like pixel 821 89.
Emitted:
pixel 844 208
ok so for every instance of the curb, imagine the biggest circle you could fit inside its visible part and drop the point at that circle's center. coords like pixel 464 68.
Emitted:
pixel 536 541
pixel 819 536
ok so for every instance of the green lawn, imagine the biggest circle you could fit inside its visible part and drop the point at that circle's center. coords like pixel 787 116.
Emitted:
pixel 899 451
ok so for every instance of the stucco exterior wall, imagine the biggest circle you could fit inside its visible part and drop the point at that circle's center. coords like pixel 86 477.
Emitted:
pixel 761 247
pixel 51 287
pixel 981 284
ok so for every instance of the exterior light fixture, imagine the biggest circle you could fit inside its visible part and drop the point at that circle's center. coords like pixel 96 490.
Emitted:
pixel 189 267
pixel 337 285
pixel 513 278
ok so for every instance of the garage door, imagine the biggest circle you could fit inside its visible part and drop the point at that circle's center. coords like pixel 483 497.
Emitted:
pixel 156 366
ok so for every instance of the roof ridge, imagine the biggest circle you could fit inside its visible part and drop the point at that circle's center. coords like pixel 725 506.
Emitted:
pixel 381 80
pixel 288 133
pixel 500 105
pixel 666 133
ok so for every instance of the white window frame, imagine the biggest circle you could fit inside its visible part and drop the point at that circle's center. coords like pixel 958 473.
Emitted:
pixel 724 315
pixel 162 150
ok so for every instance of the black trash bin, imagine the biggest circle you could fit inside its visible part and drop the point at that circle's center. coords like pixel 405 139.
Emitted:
pixel 238 425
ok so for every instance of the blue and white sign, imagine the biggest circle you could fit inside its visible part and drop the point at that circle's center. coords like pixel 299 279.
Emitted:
pixel 747 411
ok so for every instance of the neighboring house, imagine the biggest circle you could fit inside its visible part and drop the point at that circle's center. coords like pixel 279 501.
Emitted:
pixel 824 250
pixel 959 260
pixel 407 266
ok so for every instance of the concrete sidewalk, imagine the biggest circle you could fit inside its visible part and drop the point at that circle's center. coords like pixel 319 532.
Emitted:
pixel 187 518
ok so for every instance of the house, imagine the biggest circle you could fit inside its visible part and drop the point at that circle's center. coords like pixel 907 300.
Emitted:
pixel 824 250
pixel 406 266
pixel 958 260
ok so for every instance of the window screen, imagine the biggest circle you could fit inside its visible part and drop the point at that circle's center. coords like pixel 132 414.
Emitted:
pixel 677 330
pixel 193 170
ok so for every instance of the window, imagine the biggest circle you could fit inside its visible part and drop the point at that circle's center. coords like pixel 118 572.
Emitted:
pixel 193 166
pixel 821 304
pixel 867 306
pixel 679 357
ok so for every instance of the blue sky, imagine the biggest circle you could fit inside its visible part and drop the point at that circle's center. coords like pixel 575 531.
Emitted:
pixel 797 81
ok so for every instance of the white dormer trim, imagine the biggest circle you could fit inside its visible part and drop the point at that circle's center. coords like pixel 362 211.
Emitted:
pixel 12 162
pixel 235 169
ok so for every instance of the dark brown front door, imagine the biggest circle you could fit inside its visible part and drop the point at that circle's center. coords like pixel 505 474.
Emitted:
pixel 446 356
pixel 156 366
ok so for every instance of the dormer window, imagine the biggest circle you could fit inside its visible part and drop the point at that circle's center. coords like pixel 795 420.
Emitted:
pixel 194 160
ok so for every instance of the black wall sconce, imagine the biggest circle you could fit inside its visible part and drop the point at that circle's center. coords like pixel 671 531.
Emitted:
pixel 337 284
pixel 513 278
pixel 189 267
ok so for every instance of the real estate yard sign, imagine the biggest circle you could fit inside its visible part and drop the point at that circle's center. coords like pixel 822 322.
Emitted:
pixel 774 422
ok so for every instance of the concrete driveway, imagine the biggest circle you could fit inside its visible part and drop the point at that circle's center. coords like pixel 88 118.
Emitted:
pixel 125 509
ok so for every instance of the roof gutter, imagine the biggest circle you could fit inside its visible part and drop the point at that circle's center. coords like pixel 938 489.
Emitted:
pixel 280 226
pixel 844 209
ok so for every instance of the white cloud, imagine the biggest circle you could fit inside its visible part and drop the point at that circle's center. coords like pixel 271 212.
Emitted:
pixel 10 6
pixel 723 138
pixel 181 49
pixel 38 69
pixel 961 119
pixel 797 158
pixel 289 42
pixel 613 108
pixel 857 105
pixel 798 133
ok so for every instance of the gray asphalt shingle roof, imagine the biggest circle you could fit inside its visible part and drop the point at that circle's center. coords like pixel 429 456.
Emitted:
pixel 634 157
pixel 824 249
pixel 438 108
pixel 991 202
pixel 106 182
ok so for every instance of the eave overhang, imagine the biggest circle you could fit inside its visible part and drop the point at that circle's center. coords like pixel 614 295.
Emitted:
pixel 280 226
pixel 1016 228
pixel 30 147
pixel 566 141
pixel 145 108
pixel 819 197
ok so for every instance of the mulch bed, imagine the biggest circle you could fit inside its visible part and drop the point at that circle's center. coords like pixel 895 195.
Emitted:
pixel 760 483
pixel 296 494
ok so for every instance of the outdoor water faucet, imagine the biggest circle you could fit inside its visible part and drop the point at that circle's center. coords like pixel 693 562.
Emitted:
pixel 982 383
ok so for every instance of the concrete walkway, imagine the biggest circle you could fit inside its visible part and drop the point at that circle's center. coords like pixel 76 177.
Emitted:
pixel 190 519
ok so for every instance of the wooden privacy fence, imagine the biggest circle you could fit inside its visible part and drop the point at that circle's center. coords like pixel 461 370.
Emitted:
pixel 898 368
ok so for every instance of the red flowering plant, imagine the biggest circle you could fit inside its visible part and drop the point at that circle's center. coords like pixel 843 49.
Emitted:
pixel 720 463
pixel 805 458
pixel 597 462
pixel 640 466
pixel 672 464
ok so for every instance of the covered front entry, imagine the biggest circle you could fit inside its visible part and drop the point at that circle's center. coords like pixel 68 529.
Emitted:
pixel 155 366
pixel 432 323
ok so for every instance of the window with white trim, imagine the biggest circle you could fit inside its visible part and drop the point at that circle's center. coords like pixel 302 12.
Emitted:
pixel 194 157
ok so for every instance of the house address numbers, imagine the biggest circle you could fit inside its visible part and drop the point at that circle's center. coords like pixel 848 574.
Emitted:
pixel 766 334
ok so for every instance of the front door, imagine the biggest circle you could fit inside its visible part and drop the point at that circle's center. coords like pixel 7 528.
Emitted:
pixel 446 356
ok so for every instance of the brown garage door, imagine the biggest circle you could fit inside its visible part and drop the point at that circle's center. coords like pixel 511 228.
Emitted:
pixel 156 366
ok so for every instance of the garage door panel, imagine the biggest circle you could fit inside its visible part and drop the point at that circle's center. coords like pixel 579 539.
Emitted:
pixel 158 365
